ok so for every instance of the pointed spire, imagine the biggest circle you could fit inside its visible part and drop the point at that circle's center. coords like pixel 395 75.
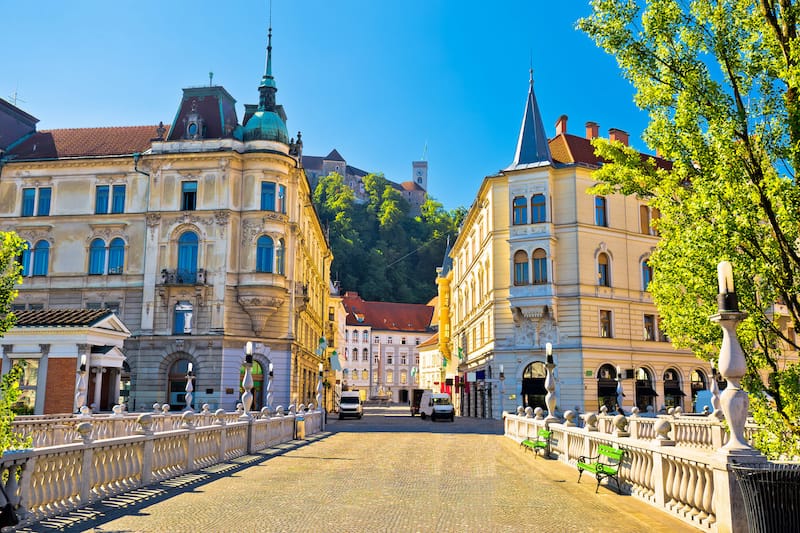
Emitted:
pixel 268 88
pixel 532 145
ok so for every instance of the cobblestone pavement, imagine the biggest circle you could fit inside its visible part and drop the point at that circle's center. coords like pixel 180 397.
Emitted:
pixel 386 472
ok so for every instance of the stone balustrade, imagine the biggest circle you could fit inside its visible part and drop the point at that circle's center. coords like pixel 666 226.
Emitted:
pixel 672 463
pixel 60 429
pixel 108 455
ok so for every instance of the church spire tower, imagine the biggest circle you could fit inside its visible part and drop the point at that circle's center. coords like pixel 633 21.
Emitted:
pixel 532 146
pixel 268 122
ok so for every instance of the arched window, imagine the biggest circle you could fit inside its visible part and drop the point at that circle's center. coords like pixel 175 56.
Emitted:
pixel 520 268
pixel 279 257
pixel 600 215
pixel 365 375
pixel 24 259
pixel 264 251
pixel 41 258
pixel 187 257
pixel 116 256
pixel 673 394
pixel 97 257
pixel 365 336
pixel 647 274
pixel 533 391
pixel 699 381
pixel 539 266
pixel 645 394
pixel 365 355
pixel 538 208
pixel 520 210
pixel 607 387
pixel 603 270
pixel 177 384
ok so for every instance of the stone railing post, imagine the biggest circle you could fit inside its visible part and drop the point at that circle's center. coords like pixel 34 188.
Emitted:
pixel 187 419
pixel 219 414
pixel 85 487
pixel 659 476
pixel 145 422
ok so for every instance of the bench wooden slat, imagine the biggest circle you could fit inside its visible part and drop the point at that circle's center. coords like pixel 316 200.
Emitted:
pixel 601 465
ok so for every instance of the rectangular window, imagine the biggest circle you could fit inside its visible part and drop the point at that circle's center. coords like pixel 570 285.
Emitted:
pixel 28 384
pixel 43 205
pixel 649 327
pixel 188 196
pixel 402 340
pixel 403 359
pixel 416 341
pixel 376 359
pixel 600 215
pixel 281 199
pixel 605 324
pixel 28 202
pixel 388 340
pixel 267 196
pixel 118 199
pixel 389 359
pixel 377 339
pixel 101 199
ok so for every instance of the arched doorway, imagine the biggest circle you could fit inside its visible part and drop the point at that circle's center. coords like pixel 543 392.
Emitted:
pixel 607 387
pixel 673 393
pixel 533 391
pixel 699 382
pixel 645 394
pixel 177 384
pixel 257 372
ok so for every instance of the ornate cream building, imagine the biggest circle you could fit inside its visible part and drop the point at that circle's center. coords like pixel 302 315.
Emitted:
pixel 201 236
pixel 539 260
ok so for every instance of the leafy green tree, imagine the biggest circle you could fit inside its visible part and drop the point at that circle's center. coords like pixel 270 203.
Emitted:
pixel 719 79
pixel 379 249
pixel 11 246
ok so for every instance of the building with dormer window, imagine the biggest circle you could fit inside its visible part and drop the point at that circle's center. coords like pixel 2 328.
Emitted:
pixel 200 234
pixel 538 260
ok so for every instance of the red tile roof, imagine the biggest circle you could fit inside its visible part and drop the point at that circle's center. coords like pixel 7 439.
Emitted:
pixel 60 317
pixel 432 341
pixel 387 315
pixel 84 142
pixel 570 149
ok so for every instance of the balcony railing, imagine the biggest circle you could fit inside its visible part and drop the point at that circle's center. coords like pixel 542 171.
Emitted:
pixel 180 276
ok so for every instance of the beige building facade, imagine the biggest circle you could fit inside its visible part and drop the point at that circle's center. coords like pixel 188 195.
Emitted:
pixel 201 236
pixel 539 260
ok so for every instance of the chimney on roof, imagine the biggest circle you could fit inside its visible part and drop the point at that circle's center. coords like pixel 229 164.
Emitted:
pixel 618 135
pixel 561 125
pixel 592 130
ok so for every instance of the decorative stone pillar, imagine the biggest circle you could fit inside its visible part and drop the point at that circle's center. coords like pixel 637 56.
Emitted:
pixel 247 382
pixel 550 386
pixel 189 388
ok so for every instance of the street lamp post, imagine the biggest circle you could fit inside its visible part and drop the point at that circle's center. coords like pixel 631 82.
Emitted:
pixel 80 385
pixel 550 386
pixel 319 388
pixel 189 388
pixel 269 388
pixel 732 364
pixel 247 381
pixel 502 390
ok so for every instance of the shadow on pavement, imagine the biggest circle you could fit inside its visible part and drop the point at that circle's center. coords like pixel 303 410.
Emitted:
pixel 93 516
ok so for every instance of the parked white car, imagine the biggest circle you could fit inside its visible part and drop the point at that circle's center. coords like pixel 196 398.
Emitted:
pixel 436 405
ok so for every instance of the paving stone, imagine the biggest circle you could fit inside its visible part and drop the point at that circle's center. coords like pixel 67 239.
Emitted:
pixel 385 472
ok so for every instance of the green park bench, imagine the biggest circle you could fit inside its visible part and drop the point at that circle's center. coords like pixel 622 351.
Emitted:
pixel 604 465
pixel 541 442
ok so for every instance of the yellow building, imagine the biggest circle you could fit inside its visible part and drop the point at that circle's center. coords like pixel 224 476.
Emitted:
pixel 201 236
pixel 538 260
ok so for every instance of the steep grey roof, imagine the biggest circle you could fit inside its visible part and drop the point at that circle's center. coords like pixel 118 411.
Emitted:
pixel 532 146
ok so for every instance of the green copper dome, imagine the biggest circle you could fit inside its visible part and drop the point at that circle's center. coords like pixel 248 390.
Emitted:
pixel 266 126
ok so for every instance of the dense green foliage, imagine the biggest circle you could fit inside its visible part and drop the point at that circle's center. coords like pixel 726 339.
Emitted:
pixel 378 249
pixel 10 248
pixel 719 79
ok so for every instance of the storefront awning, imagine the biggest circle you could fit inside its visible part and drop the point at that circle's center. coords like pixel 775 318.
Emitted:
pixel 645 391
pixel 674 392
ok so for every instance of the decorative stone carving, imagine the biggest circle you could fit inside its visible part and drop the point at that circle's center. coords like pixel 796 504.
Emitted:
pixel 524 330
pixel 153 219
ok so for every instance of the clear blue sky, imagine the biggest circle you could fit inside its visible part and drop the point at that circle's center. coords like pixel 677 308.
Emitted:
pixel 376 80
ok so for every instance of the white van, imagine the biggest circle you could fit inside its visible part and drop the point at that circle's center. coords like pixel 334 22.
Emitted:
pixel 436 405
pixel 350 404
